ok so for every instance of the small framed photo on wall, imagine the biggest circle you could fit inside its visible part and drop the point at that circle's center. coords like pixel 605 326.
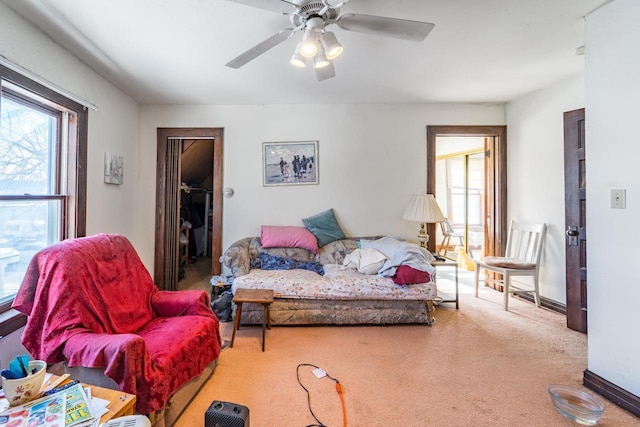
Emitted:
pixel 113 168
pixel 290 163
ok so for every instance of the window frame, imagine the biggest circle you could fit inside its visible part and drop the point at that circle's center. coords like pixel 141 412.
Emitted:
pixel 74 184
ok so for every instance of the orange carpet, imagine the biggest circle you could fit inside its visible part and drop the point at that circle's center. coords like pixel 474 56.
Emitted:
pixel 477 366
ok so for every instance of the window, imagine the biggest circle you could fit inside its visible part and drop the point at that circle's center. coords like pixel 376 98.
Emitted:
pixel 465 186
pixel 42 175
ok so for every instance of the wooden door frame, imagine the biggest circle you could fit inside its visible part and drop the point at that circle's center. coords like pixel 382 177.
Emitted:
pixel 164 134
pixel 497 211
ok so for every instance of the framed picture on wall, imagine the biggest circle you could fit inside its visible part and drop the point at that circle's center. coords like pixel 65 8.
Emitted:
pixel 113 168
pixel 289 163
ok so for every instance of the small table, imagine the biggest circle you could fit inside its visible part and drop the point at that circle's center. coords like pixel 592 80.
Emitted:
pixel 256 296
pixel 448 263
pixel 120 403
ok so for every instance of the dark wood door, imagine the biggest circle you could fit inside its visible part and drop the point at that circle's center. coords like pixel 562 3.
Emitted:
pixel 575 219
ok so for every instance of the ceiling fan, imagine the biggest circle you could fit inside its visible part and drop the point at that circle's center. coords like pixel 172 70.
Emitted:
pixel 319 46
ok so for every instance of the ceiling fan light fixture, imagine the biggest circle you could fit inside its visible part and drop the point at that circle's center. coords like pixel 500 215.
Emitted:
pixel 320 61
pixel 332 46
pixel 319 47
pixel 297 59
pixel 309 46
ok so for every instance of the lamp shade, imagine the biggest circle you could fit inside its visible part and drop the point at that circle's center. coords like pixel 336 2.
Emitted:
pixel 423 208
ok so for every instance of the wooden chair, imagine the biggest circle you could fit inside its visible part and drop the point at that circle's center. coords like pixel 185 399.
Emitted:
pixel 447 233
pixel 522 258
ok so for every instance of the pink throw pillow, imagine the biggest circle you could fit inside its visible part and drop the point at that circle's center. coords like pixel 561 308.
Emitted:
pixel 273 236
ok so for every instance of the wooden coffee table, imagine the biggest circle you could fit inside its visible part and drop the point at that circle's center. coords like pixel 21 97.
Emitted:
pixel 255 296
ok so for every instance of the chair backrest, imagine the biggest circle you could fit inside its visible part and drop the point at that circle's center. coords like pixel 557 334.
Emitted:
pixel 446 228
pixel 525 241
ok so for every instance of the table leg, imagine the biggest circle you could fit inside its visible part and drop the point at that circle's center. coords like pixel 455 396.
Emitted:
pixel 268 316
pixel 264 323
pixel 457 293
pixel 236 323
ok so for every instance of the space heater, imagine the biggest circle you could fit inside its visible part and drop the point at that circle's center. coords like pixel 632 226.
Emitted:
pixel 226 414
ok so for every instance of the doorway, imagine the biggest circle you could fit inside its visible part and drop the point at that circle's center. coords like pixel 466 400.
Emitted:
pixel 196 208
pixel 460 179
pixel 171 143
pixel 491 202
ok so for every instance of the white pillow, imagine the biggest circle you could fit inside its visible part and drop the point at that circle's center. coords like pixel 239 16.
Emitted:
pixel 365 261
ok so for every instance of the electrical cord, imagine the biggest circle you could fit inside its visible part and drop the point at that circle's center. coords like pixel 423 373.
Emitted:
pixel 338 389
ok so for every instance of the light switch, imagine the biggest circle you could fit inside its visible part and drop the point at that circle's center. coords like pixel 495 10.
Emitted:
pixel 619 199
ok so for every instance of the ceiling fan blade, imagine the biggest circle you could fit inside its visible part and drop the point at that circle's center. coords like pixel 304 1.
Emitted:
pixel 279 6
pixel 384 26
pixel 260 48
pixel 325 73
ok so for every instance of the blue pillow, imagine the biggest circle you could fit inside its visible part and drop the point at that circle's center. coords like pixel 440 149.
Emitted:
pixel 272 262
pixel 325 227
pixel 311 266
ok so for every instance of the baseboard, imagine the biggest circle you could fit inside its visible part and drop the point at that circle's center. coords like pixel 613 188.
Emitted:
pixel 612 392
pixel 546 303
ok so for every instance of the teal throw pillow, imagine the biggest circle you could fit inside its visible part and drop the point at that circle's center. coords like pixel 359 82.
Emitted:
pixel 325 227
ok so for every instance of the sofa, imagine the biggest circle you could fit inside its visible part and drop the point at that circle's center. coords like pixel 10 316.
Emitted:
pixel 339 284
pixel 92 305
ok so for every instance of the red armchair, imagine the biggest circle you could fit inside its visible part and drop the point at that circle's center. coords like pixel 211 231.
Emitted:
pixel 91 303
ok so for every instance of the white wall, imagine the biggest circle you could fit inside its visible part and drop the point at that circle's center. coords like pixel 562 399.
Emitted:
pixel 613 149
pixel 372 158
pixel 113 128
pixel 535 153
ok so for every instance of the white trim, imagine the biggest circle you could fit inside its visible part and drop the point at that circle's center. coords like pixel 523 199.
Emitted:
pixel 15 67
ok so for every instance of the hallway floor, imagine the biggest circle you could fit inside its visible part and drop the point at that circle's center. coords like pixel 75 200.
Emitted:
pixel 197 275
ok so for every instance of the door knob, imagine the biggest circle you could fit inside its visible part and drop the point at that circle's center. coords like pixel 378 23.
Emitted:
pixel 572 233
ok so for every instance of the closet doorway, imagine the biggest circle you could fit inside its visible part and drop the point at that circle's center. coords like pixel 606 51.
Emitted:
pixel 196 210
pixel 188 202
pixel 470 185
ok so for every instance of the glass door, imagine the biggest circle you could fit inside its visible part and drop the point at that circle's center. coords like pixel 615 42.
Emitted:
pixel 460 193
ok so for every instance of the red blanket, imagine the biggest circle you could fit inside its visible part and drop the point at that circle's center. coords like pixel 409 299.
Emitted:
pixel 92 302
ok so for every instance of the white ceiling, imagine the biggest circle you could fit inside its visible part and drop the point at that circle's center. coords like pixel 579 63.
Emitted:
pixel 174 51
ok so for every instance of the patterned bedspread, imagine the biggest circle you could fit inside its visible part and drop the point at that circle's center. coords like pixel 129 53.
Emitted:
pixel 338 283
